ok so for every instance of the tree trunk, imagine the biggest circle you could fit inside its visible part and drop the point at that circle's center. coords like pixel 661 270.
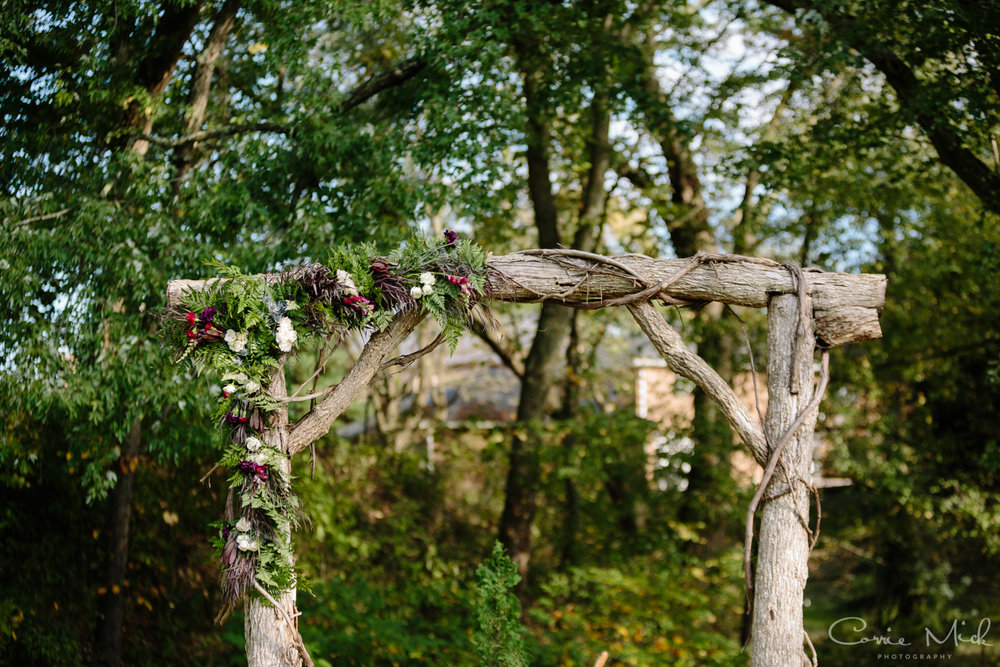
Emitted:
pixel 783 551
pixel 270 641
pixel 201 84
pixel 522 477
pixel 119 516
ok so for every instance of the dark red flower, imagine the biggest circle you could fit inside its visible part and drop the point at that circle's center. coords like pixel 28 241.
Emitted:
pixel 450 237
pixel 192 334
pixel 191 318
pixel 360 303
pixel 461 282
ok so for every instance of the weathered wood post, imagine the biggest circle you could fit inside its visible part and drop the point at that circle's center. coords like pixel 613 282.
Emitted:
pixel 783 546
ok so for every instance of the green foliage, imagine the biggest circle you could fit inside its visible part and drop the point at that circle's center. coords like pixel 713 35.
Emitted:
pixel 664 610
pixel 499 638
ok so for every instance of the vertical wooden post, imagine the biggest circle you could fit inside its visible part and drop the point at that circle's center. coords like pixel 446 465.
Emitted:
pixel 270 642
pixel 783 544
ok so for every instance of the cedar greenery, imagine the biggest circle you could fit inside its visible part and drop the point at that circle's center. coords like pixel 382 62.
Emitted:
pixel 499 637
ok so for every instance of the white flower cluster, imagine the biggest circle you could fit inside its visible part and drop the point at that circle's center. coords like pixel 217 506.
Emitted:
pixel 259 457
pixel 286 335
pixel 345 279
pixel 245 541
pixel 257 452
pixel 249 386
pixel 237 341
pixel 426 287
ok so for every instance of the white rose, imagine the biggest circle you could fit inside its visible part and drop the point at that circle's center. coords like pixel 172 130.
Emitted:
pixel 260 458
pixel 229 388
pixel 246 543
pixel 285 335
pixel 251 386
pixel 253 444
pixel 243 525
pixel 345 279
pixel 427 278
pixel 427 289
pixel 416 292
pixel 237 342
pixel 241 377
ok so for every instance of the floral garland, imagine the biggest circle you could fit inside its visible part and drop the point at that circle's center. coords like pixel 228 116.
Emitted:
pixel 242 327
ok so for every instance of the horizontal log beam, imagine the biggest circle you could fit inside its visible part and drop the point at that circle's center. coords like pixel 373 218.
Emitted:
pixel 846 305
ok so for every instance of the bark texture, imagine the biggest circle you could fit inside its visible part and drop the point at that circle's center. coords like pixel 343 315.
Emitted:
pixel 847 305
pixel 777 633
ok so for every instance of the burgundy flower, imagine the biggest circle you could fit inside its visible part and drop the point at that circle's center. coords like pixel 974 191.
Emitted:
pixel 208 316
pixel 461 282
pixel 360 304
pixel 450 237
pixel 231 419
pixel 191 317
pixel 192 334
pixel 253 469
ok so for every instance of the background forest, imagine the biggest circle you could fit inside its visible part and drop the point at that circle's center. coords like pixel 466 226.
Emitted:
pixel 140 140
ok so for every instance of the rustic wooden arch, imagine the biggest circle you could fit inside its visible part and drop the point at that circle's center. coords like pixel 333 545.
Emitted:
pixel 807 309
